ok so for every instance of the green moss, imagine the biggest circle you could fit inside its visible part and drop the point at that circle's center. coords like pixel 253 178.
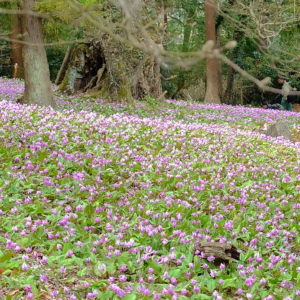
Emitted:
pixel 103 94
pixel 124 93
pixel 63 85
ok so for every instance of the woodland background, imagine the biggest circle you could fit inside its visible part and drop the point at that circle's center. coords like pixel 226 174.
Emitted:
pixel 266 31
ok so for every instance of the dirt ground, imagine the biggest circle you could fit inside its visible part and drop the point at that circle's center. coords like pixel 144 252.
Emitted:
pixel 296 107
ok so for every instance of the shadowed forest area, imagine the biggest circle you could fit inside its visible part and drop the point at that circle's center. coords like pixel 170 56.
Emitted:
pixel 78 47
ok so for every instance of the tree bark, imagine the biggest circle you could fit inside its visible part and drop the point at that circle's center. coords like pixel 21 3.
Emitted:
pixel 231 72
pixel 164 71
pixel 37 75
pixel 212 91
pixel 165 30
pixel 220 80
pixel 230 82
pixel 100 69
pixel 64 66
pixel 107 69
pixel 185 48
pixel 221 251
pixel 16 48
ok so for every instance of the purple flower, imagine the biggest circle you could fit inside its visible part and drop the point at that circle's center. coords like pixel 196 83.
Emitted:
pixel 30 296
pixel 196 289
pixel 44 278
pixel 239 291
pixel 213 273
pixel 24 267
pixel 194 282
pixel 173 280
pixel 166 275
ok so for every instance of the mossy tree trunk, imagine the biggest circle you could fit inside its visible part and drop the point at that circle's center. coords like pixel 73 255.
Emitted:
pixel 107 69
pixel 37 76
pixel 62 71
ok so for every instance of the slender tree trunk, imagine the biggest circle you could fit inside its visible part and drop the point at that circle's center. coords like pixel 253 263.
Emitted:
pixel 185 48
pixel 231 71
pixel 16 48
pixel 64 66
pixel 220 80
pixel 212 91
pixel 37 75
pixel 165 72
pixel 230 82
pixel 165 31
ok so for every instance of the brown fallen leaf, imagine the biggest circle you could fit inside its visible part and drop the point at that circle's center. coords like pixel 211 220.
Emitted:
pixel 12 293
pixel 2 271
pixel 45 296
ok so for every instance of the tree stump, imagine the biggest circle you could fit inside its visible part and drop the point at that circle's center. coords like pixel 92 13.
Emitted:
pixel 104 68
pixel 276 130
pixel 221 251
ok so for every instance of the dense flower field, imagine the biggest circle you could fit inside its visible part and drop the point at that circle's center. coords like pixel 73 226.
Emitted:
pixel 106 201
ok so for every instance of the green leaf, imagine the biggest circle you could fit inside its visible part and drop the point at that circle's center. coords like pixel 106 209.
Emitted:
pixel 6 256
pixel 67 247
pixel 196 260
pixel 229 282
pixel 82 272
pixel 175 273
pixel 13 189
pixel 130 297
pixel 89 210
pixel 211 285
pixel 23 242
pixel 155 266
pixel 249 254
pixel 203 296
pixel 110 268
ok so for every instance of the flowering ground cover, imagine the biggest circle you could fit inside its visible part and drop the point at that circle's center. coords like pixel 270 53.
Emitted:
pixel 106 201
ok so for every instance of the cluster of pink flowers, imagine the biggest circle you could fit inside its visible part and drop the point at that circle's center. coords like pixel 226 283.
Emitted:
pixel 105 201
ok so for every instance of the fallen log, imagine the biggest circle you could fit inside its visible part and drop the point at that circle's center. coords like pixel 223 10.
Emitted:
pixel 221 251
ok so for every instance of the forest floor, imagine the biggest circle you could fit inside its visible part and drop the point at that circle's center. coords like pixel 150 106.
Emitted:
pixel 106 201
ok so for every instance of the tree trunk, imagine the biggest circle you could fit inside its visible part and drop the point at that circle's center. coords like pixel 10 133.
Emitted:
pixel 64 66
pixel 164 71
pixel 165 25
pixel 231 72
pixel 16 48
pixel 107 69
pixel 37 76
pixel 185 48
pixel 99 69
pixel 230 82
pixel 212 92
pixel 220 80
